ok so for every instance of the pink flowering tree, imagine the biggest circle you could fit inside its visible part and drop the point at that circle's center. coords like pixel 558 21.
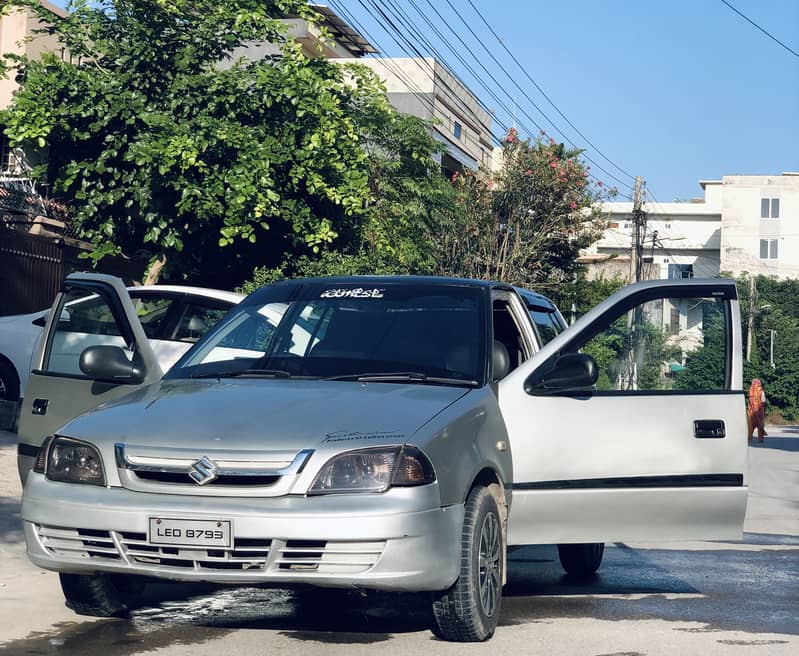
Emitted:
pixel 526 223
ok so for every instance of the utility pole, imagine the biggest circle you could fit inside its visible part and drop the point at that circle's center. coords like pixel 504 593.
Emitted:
pixel 639 229
pixel 772 335
pixel 750 323
pixel 628 376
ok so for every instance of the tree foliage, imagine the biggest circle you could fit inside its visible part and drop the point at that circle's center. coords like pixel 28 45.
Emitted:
pixel 528 223
pixel 160 141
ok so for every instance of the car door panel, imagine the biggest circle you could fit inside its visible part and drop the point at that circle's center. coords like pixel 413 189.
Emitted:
pixel 624 463
pixel 57 390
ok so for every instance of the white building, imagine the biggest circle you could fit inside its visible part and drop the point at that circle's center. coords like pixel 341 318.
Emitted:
pixel 743 224
pixel 760 223
pixel 424 87
pixel 681 240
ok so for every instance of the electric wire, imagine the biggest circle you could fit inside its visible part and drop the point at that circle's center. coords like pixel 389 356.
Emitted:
pixel 766 32
pixel 526 73
pixel 524 93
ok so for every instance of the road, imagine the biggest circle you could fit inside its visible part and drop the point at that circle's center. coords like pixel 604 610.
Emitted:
pixel 703 598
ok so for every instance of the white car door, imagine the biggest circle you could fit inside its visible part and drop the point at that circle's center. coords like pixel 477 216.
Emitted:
pixel 656 447
pixel 91 310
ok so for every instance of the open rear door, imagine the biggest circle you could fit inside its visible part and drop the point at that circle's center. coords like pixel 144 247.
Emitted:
pixel 91 310
pixel 655 448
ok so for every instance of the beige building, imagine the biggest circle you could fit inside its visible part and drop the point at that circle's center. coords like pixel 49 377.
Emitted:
pixel 760 223
pixel 742 224
pixel 426 88
pixel 18 36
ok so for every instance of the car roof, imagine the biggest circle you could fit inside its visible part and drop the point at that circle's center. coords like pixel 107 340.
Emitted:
pixel 535 298
pixel 205 292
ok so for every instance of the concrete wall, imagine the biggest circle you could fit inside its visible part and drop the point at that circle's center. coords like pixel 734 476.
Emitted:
pixel 18 36
pixel 425 88
pixel 743 227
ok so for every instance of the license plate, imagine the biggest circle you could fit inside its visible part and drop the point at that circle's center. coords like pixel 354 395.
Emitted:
pixel 190 532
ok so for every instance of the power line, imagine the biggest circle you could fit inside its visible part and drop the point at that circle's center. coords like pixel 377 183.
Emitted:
pixel 542 92
pixel 455 51
pixel 766 32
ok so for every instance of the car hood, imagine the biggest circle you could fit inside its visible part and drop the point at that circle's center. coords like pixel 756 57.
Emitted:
pixel 280 415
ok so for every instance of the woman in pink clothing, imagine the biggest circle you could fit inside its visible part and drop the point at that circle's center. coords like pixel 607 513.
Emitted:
pixel 757 410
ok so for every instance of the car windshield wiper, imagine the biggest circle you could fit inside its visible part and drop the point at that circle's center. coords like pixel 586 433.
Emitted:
pixel 244 373
pixel 405 377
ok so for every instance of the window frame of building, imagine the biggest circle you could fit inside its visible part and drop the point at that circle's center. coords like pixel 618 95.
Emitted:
pixel 457 130
pixel 771 249
pixel 770 207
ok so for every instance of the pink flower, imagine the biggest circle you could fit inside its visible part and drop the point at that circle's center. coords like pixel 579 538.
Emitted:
pixel 455 176
pixel 551 141
pixel 528 172
pixel 553 164
pixel 573 205
pixel 599 183
pixel 490 184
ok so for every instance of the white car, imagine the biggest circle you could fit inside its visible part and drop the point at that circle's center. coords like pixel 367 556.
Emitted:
pixel 173 318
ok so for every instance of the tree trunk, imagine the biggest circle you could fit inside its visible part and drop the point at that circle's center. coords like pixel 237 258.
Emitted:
pixel 154 272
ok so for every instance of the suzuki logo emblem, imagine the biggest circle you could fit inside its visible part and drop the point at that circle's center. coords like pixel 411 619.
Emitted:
pixel 203 471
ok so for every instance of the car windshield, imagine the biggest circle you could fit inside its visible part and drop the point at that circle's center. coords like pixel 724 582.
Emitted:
pixel 389 332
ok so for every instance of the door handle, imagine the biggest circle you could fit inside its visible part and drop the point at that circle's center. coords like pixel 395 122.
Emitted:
pixel 709 428
pixel 39 406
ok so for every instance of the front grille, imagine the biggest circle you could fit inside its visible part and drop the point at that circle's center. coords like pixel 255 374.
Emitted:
pixel 78 543
pixel 329 557
pixel 248 554
pixel 174 478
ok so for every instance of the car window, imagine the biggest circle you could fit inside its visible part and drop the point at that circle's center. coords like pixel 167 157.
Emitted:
pixel 84 319
pixel 664 344
pixel 431 330
pixel 546 324
pixel 197 319
pixel 151 311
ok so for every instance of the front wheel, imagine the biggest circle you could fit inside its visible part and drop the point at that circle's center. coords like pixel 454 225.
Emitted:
pixel 101 594
pixel 469 610
pixel 581 560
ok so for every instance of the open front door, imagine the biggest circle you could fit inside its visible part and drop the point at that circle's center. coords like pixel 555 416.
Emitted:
pixel 91 310
pixel 656 447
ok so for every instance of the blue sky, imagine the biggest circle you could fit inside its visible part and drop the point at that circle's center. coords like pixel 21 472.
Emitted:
pixel 672 90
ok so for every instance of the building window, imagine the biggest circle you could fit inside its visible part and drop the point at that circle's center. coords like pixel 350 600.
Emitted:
pixel 5 154
pixel 769 249
pixel 668 226
pixel 769 208
pixel 681 271
pixel 627 226
pixel 456 130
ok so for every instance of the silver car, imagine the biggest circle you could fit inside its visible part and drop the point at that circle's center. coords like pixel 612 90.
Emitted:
pixel 391 433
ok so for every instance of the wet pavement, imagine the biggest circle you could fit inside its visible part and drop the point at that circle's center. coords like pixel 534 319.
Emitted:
pixel 728 597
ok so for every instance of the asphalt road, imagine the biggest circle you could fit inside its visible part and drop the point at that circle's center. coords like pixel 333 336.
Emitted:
pixel 683 598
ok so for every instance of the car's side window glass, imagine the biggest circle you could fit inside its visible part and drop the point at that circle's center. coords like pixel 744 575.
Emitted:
pixel 545 324
pixel 85 318
pixel 677 344
pixel 196 321
pixel 151 311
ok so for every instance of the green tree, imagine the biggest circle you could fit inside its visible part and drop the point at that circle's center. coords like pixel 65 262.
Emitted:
pixel 160 141
pixel 527 224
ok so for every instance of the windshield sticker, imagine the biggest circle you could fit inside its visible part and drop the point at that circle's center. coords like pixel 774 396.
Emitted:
pixel 352 436
pixel 358 292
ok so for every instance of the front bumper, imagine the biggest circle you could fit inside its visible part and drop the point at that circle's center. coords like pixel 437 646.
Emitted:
pixel 399 540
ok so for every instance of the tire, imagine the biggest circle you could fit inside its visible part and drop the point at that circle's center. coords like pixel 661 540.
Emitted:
pixel 9 382
pixel 101 595
pixel 581 560
pixel 469 610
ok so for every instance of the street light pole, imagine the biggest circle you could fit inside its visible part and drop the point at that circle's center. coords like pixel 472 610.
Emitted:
pixel 772 335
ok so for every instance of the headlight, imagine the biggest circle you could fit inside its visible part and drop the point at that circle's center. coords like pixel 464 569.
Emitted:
pixel 72 461
pixel 373 470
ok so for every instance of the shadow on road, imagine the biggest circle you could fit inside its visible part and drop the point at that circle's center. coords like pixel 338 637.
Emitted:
pixel 10 522
pixel 779 443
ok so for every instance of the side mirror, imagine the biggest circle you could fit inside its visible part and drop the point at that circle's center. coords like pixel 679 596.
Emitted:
pixel 569 372
pixel 110 364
